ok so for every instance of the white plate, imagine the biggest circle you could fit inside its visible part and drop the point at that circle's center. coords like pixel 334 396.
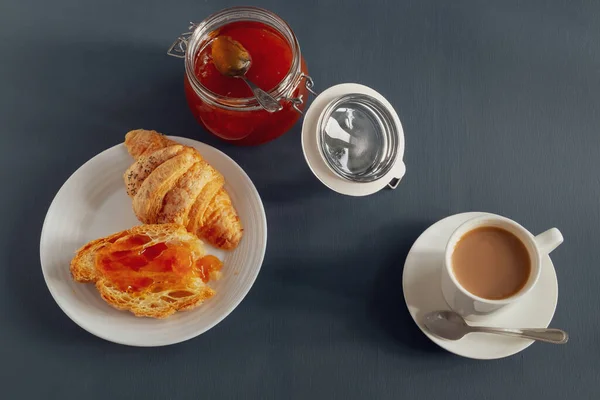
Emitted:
pixel 421 283
pixel 93 203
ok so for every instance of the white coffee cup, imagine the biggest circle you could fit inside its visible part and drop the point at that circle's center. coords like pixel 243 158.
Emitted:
pixel 474 307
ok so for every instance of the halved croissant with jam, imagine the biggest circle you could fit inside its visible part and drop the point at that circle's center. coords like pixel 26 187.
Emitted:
pixel 150 270
pixel 171 183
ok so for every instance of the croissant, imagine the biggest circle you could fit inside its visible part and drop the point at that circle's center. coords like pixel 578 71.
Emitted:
pixel 171 183
pixel 147 269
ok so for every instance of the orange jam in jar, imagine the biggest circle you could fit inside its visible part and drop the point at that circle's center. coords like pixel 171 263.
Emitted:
pixel 225 105
pixel 134 264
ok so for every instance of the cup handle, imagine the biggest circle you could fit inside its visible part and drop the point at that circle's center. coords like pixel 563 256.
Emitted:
pixel 549 240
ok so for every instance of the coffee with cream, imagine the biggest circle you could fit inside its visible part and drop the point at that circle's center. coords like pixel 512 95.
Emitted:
pixel 491 263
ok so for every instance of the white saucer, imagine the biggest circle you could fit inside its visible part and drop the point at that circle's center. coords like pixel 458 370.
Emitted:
pixel 421 283
pixel 93 203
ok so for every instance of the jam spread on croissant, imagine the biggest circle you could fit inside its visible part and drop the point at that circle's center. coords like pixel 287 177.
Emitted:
pixel 133 264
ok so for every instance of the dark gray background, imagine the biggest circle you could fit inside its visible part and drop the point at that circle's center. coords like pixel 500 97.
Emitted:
pixel 500 106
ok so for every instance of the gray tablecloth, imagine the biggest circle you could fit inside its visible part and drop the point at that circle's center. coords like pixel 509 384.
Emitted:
pixel 500 106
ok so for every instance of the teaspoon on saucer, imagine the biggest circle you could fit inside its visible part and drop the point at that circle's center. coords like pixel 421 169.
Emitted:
pixel 451 326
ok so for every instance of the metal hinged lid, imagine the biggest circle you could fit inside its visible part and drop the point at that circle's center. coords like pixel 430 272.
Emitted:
pixel 353 140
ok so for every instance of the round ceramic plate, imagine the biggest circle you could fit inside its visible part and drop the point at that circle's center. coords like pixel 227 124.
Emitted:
pixel 421 282
pixel 93 203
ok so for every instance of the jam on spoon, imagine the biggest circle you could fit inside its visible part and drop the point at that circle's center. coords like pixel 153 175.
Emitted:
pixel 232 59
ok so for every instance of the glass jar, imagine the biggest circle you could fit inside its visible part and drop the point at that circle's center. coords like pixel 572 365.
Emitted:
pixel 241 120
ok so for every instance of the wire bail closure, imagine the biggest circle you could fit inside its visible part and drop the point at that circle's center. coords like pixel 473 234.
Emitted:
pixel 298 101
pixel 179 46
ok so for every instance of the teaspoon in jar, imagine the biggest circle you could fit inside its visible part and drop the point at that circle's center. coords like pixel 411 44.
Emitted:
pixel 232 59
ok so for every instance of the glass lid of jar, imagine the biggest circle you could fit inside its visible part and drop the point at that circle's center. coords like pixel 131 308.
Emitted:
pixel 353 140
pixel 358 138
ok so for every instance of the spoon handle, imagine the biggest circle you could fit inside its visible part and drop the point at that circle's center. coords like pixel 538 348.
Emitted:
pixel 266 101
pixel 548 335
